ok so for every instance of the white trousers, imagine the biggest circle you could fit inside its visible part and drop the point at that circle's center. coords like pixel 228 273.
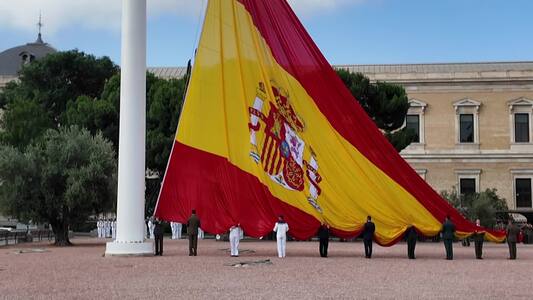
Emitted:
pixel 113 232
pixel 178 230
pixel 234 243
pixel 282 240
pixel 173 229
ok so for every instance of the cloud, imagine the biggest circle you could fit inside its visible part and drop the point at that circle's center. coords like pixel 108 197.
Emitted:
pixel 105 14
pixel 314 7
pixel 92 14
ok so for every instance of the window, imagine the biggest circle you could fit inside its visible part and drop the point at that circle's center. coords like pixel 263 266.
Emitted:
pixel 413 122
pixel 521 128
pixel 523 192
pixel 466 124
pixel 520 112
pixel 467 186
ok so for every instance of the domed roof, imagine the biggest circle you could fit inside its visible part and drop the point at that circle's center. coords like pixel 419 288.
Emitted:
pixel 12 60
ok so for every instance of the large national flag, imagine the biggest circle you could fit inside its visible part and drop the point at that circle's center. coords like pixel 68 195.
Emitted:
pixel 269 129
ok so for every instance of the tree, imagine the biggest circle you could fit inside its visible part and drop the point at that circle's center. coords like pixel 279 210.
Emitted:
pixel 61 179
pixel 165 100
pixel 386 104
pixel 47 87
pixel 484 206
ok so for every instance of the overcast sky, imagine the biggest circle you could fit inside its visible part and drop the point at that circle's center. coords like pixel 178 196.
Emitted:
pixel 347 31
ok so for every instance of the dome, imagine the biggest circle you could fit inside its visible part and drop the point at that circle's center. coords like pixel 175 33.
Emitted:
pixel 12 60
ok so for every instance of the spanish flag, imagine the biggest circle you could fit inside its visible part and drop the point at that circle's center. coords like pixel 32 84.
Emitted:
pixel 269 129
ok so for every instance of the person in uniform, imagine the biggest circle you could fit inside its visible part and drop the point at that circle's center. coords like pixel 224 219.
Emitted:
pixel 234 237
pixel 146 232
pixel 368 235
pixel 114 229
pixel 412 236
pixel 323 237
pixel 479 236
pixel 281 229
pixel 448 234
pixel 192 230
pixel 107 227
pixel 172 229
pixel 158 235
pixel 512 237
pixel 99 228
pixel 200 233
pixel 178 230
pixel 151 227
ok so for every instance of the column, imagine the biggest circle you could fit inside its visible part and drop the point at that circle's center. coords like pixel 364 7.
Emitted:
pixel 132 134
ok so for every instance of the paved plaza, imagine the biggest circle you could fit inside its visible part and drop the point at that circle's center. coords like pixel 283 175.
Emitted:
pixel 41 271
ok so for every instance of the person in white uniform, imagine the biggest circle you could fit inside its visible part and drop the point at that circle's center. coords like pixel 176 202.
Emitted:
pixel 114 229
pixel 107 229
pixel 281 229
pixel 173 229
pixel 234 237
pixel 99 228
pixel 200 233
pixel 178 230
pixel 151 228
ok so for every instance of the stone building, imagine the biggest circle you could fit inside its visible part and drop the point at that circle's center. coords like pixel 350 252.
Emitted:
pixel 473 122
pixel 12 60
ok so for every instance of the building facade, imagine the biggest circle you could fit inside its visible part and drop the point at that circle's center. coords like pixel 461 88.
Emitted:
pixel 12 60
pixel 474 125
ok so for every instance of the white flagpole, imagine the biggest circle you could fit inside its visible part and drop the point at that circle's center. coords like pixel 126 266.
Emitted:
pixel 132 135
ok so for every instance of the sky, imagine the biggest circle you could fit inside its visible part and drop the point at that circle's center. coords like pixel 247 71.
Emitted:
pixel 347 31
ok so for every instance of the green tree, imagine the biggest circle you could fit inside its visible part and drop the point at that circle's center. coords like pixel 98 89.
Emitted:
pixel 386 104
pixel 61 179
pixel 47 87
pixel 484 206
pixel 164 100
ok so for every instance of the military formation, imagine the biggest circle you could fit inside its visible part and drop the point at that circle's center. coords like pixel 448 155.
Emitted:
pixel 106 228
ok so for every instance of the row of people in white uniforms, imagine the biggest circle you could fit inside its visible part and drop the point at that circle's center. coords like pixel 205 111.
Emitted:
pixel 106 228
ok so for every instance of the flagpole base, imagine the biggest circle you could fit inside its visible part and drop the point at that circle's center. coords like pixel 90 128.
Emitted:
pixel 129 249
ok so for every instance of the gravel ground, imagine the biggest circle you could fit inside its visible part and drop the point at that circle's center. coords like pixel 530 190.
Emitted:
pixel 81 272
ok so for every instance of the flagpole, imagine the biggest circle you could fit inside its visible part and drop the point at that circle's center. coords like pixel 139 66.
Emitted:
pixel 132 135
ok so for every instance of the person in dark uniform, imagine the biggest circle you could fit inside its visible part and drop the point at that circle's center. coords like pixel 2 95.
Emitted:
pixel 512 237
pixel 158 234
pixel 448 234
pixel 412 236
pixel 192 230
pixel 479 236
pixel 368 235
pixel 323 236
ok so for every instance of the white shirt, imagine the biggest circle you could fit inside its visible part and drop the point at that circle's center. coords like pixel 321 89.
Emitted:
pixel 281 229
pixel 235 231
